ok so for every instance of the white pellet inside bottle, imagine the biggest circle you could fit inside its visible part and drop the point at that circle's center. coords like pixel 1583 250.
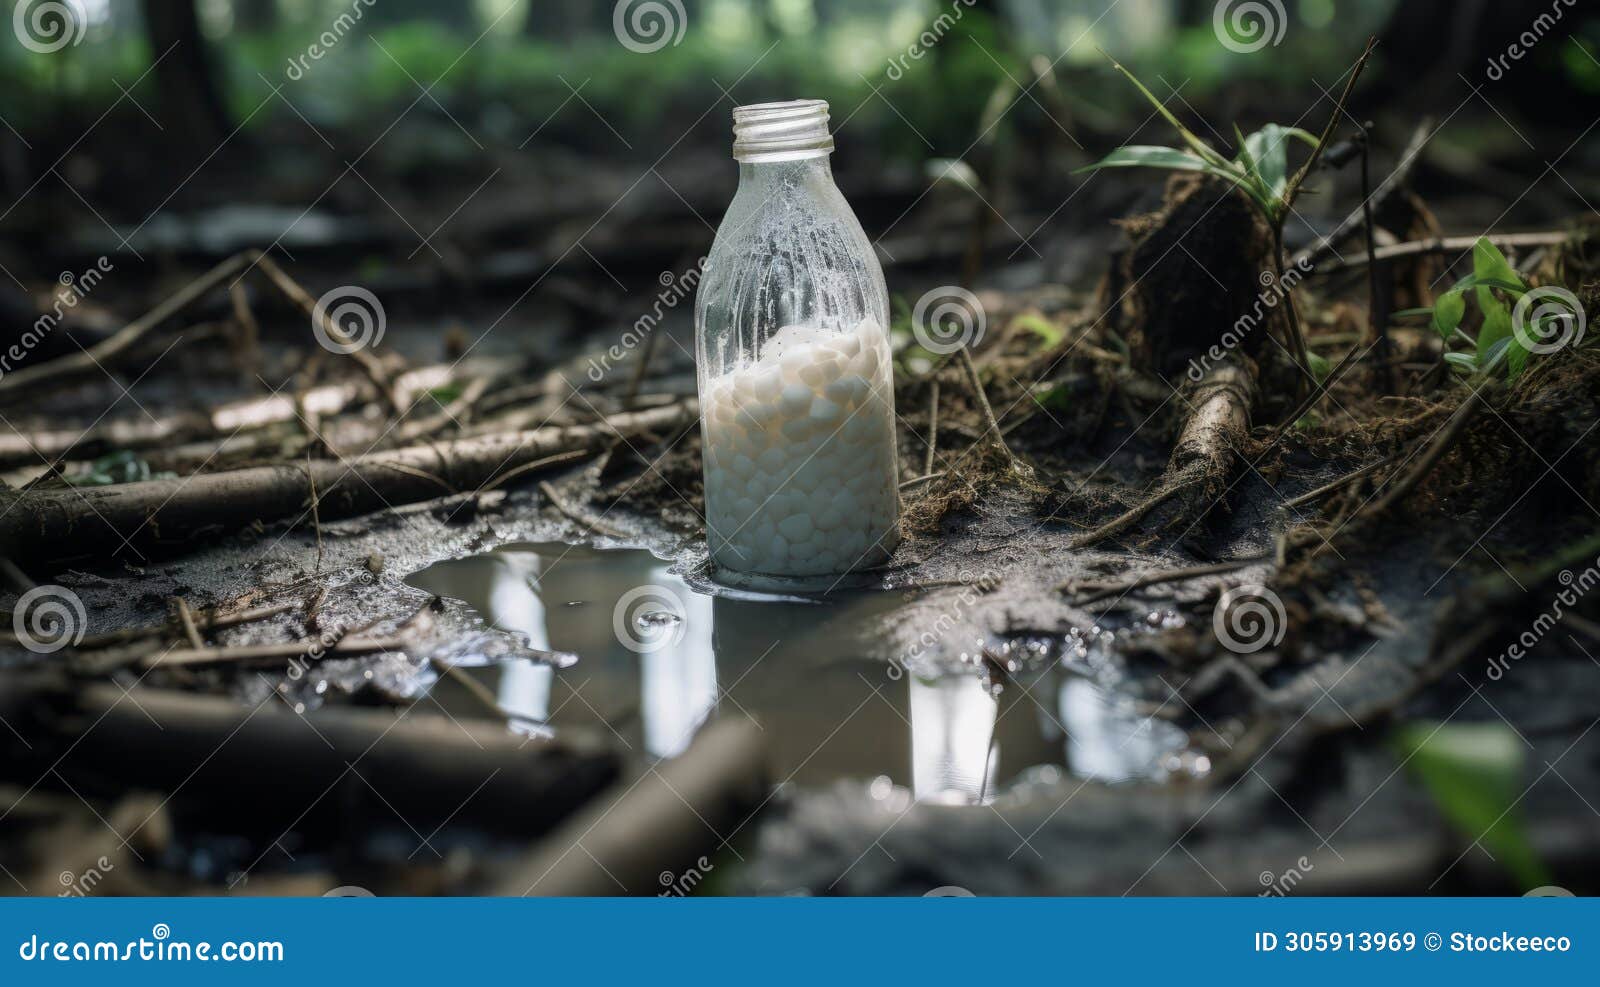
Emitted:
pixel 800 465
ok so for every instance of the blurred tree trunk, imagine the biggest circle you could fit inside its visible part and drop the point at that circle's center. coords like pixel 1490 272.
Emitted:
pixel 192 109
pixel 255 16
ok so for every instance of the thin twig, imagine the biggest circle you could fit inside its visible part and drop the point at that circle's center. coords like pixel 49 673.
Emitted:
pixel 572 514
pixel 186 620
pixel 1313 254
pixel 1442 444
pixel 1377 317
pixel 1342 481
pixel 1159 576
pixel 537 464
pixel 370 364
pixel 350 644
pixel 477 689
pixel 28 380
pixel 922 479
pixel 1450 245
pixel 933 426
pixel 983 403
pixel 316 517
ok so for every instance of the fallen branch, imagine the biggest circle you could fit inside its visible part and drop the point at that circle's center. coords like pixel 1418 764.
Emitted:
pixel 1448 245
pixel 274 768
pixel 61 522
pixel 1197 474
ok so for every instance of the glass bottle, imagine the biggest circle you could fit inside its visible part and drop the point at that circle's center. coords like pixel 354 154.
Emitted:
pixel 795 377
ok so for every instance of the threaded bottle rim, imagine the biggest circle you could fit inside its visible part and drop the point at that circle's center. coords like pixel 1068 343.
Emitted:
pixel 784 131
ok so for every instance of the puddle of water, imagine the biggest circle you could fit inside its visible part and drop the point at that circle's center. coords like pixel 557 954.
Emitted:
pixel 656 658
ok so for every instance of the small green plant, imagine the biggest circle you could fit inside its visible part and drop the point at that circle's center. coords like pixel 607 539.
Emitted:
pixel 1474 774
pixel 117 467
pixel 1259 169
pixel 1497 343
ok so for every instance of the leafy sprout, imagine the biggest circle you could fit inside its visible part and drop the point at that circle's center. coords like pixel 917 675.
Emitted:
pixel 1496 343
pixel 1260 169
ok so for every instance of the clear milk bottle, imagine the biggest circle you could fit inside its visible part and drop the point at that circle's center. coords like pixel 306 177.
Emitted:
pixel 792 351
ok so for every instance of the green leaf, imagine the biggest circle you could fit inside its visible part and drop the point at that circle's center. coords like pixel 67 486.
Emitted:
pixel 1319 366
pixel 1199 146
pixel 1473 281
pixel 1146 156
pixel 1269 148
pixel 1447 312
pixel 1496 320
pixel 1462 361
pixel 1411 313
pixel 1474 774
pixel 1040 326
pixel 1489 265
pixel 1516 358
pixel 1057 398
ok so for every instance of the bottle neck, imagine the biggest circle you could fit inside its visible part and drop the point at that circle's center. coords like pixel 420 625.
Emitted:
pixel 770 133
pixel 809 171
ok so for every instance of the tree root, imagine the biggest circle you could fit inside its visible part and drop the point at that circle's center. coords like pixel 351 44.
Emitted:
pixel 1198 473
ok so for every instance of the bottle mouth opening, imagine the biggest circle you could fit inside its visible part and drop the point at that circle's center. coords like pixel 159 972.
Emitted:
pixel 784 131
